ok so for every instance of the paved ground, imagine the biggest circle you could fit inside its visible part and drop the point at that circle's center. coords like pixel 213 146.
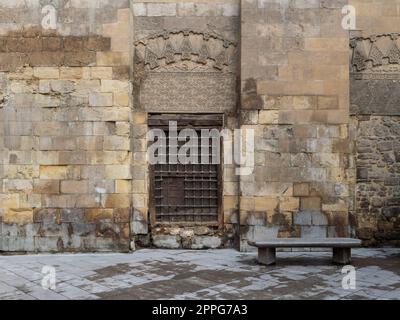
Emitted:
pixel 214 274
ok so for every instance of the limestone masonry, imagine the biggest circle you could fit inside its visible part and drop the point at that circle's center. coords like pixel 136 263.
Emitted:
pixel 77 102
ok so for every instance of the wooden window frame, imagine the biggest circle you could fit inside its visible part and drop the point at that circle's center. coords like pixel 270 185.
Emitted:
pixel 196 121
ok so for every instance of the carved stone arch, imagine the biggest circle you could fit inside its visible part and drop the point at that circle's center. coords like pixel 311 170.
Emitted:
pixel 375 51
pixel 206 51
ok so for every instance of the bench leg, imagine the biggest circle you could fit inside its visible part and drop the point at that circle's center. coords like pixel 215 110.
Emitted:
pixel 267 256
pixel 341 255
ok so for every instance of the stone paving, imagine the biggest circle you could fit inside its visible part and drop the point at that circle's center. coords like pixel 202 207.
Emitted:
pixel 212 274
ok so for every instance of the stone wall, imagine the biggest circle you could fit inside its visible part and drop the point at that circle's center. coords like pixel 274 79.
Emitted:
pixel 185 61
pixel 65 178
pixel 378 179
pixel 75 100
pixel 294 73
pixel 375 87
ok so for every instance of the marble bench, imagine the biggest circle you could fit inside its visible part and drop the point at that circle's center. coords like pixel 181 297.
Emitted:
pixel 341 247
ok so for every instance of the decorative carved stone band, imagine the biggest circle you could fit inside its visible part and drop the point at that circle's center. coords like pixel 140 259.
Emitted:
pixel 374 51
pixel 188 92
pixel 375 75
pixel 202 51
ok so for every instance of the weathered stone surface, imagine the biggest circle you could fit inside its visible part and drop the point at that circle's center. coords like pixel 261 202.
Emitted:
pixel 206 242
pixel 378 177
pixel 74 105
pixel 55 157
pixel 188 92
pixel 166 241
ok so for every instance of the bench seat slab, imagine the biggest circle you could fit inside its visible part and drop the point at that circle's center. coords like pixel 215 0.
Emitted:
pixel 310 243
pixel 341 247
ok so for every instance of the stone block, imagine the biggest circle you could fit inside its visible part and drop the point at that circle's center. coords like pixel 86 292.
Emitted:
pixel 21 87
pixel 289 204
pixel 339 206
pixel 166 241
pixel 123 186
pixel 100 99
pixel 97 44
pixel 122 215
pixel 161 9
pixel 301 189
pixel 268 117
pixel 73 44
pixel 86 86
pixel 71 73
pixel 247 203
pixel 206 242
pixel 46 72
pixel 98 185
pixel 141 227
pixel 44 86
pixel 313 232
pixel 139 9
pixel 139 186
pixel 122 128
pixel 303 218
pixel 72 157
pixel 140 214
pixel 18 185
pixel 98 214
pixel 18 128
pixel 139 118
pixel 265 203
pixel 230 202
pixel 116 200
pixel 49 216
pixel 140 158
pixel 186 9
pixel 76 216
pixel 79 58
pixel 230 9
pixel 139 201
pixel 101 73
pixel 318 219
pixel 57 143
pixel 260 233
pixel 328 102
pixel 9 200
pixel 110 59
pixel 85 200
pixel 313 203
pixel 51 43
pixel 104 128
pixel 304 102
pixel 46 186
pixel 19 216
pixel 50 128
pixel 62 86
pixel 45 101
pixel 114 86
pixel 71 186
pixel 17 243
pixel 116 143
pixel 46 59
pixel 207 10
pixel 121 99
pixel 53 172
pixel 90 143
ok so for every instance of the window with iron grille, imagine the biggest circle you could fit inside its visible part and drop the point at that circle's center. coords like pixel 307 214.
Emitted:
pixel 186 193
